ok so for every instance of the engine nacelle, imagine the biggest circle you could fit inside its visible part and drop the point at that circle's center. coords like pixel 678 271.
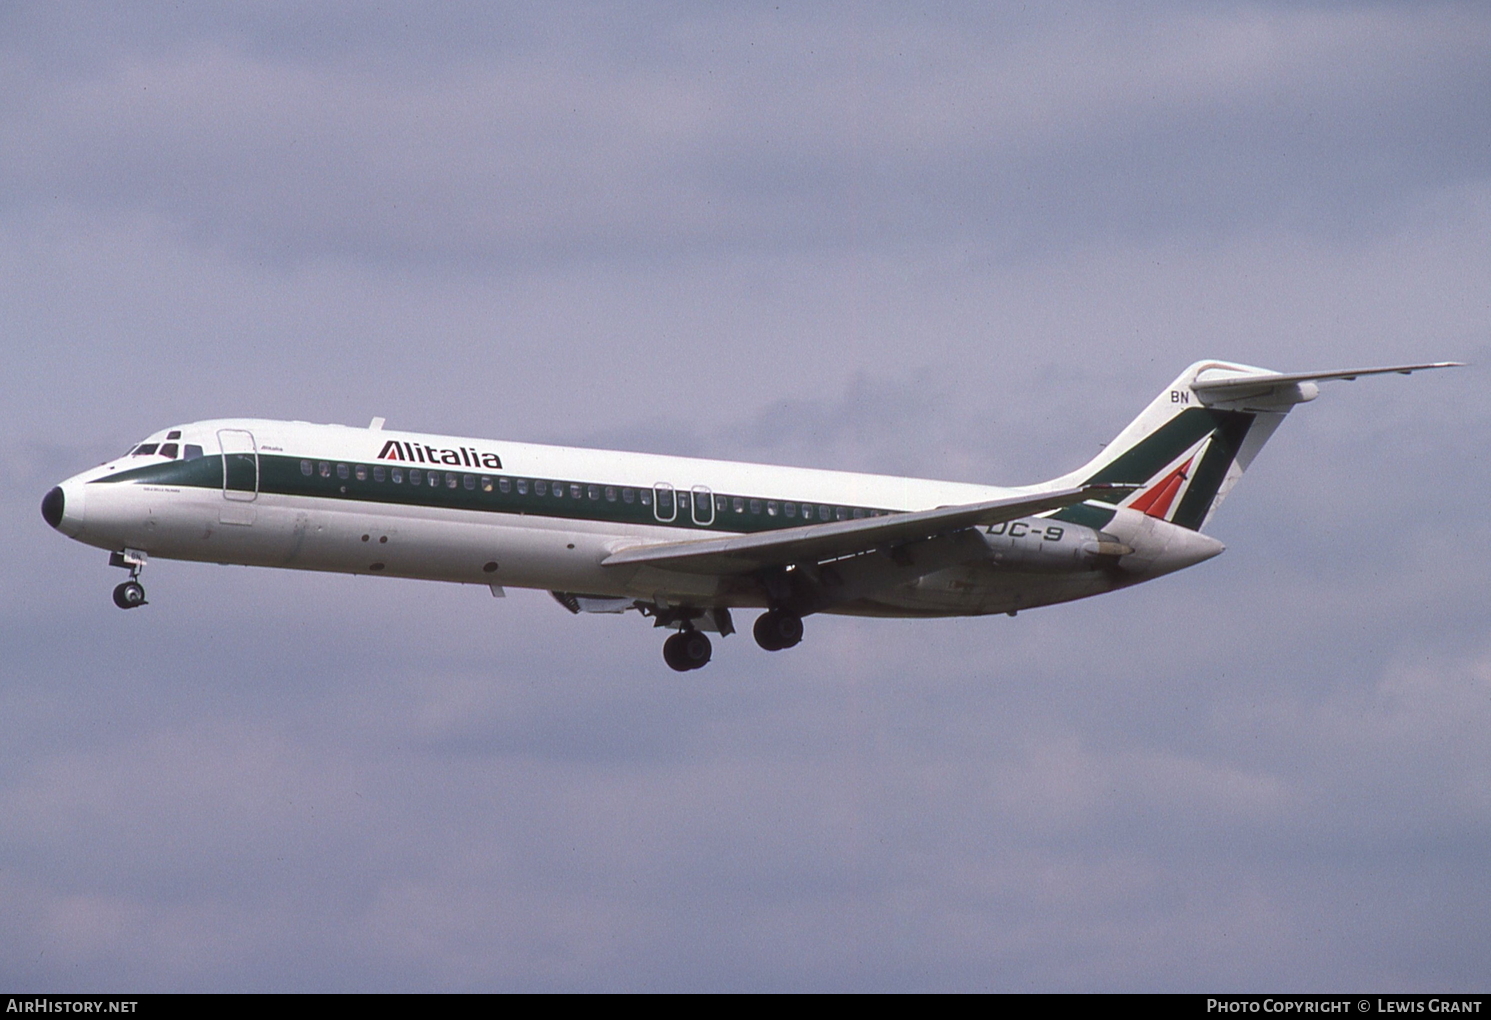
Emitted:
pixel 1045 545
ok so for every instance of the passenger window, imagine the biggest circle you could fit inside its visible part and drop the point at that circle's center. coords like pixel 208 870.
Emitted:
pixel 451 481
pixel 558 488
pixel 841 514
pixel 505 484
pixel 790 508
pixel 593 492
pixel 361 472
pixel 325 470
pixel 739 505
pixel 522 486
pixel 397 474
pixel 486 483
pixel 574 490
pixel 755 506
pixel 342 471
pixel 628 495
pixel 169 450
pixel 415 476
pixel 433 477
pixel 859 512
pixel 823 513
pixel 380 473
pixel 305 468
pixel 469 481
pixel 610 494
pixel 771 508
pixel 721 504
pixel 192 451
pixel 540 488
pixel 646 496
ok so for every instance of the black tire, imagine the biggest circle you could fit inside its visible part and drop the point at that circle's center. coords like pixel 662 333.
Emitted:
pixel 673 654
pixel 687 650
pixel 765 632
pixel 129 595
pixel 696 649
pixel 777 629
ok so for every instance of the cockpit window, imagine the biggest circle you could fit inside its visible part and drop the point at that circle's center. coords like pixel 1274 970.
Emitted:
pixel 173 434
pixel 191 451
pixel 169 450
pixel 145 449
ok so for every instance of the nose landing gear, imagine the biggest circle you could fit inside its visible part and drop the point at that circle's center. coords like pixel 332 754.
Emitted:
pixel 131 593
pixel 686 650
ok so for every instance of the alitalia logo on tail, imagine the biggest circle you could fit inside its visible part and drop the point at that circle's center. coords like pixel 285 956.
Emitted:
pixel 461 456
pixel 1156 502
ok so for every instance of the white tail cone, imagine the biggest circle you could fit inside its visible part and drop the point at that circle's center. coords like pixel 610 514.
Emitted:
pixel 1159 546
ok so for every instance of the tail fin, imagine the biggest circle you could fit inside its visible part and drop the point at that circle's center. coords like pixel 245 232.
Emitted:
pixel 1194 441
pixel 1184 452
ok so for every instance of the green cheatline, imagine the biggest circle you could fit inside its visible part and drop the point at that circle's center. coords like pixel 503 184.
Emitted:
pixel 282 476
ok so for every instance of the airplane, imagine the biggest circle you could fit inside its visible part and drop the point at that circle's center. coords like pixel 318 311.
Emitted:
pixel 686 541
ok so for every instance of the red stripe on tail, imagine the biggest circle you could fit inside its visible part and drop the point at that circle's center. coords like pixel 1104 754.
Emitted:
pixel 1156 501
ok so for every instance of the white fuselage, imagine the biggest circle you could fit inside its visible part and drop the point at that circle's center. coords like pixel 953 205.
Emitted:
pixel 369 501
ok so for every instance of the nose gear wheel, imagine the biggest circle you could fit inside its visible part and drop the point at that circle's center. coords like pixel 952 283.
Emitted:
pixel 129 595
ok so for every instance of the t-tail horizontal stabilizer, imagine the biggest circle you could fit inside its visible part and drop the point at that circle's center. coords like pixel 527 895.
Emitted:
pixel 1232 384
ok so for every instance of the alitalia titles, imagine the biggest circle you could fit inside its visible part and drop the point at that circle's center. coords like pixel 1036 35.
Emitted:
pixel 461 456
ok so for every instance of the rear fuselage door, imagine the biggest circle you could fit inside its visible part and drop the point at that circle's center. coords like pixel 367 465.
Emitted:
pixel 664 504
pixel 703 506
pixel 240 465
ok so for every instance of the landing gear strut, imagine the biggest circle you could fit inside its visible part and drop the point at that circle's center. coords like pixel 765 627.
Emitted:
pixel 777 629
pixel 686 650
pixel 131 593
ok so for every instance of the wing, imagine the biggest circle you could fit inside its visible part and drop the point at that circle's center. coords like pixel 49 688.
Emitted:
pixel 1216 384
pixel 744 554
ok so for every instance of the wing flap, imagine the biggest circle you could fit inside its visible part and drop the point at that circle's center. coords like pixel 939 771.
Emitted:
pixel 743 554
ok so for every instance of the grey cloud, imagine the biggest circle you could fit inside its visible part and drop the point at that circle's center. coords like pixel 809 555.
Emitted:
pixel 480 794
pixel 899 129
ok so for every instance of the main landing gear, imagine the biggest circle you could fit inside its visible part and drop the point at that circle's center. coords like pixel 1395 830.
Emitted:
pixel 686 650
pixel 131 593
pixel 777 629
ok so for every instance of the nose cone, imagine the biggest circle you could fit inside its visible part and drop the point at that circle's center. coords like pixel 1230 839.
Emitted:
pixel 62 507
pixel 52 506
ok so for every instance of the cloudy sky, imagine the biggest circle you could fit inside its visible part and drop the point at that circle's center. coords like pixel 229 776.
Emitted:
pixel 961 241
